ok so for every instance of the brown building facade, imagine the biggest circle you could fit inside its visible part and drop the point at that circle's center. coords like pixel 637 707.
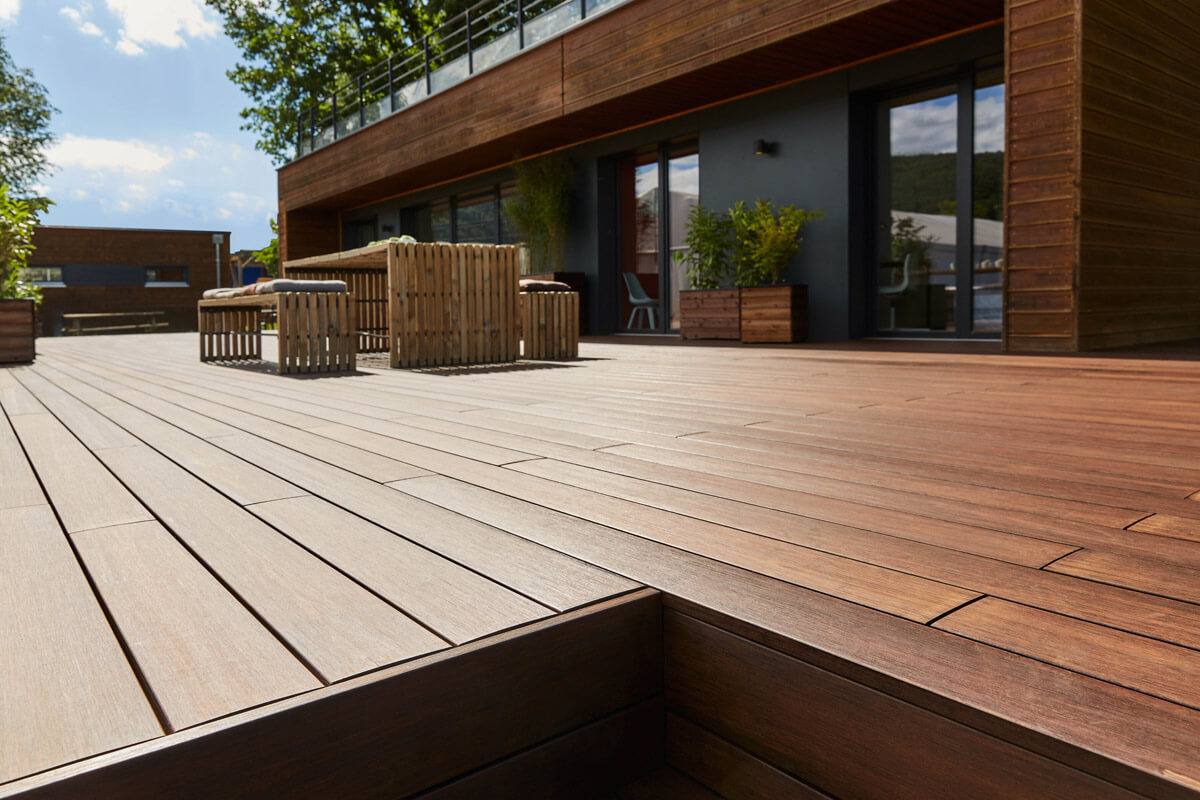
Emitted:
pixel 1034 162
pixel 119 270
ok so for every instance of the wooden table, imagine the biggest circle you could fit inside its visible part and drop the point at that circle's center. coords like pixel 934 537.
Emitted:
pixel 150 321
pixel 316 330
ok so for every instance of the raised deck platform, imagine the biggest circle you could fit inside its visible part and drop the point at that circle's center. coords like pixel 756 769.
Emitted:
pixel 868 572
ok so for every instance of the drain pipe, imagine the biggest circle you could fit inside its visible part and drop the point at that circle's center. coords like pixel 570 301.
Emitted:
pixel 218 240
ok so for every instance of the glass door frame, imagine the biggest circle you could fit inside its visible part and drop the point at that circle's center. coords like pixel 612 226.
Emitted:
pixel 663 152
pixel 963 80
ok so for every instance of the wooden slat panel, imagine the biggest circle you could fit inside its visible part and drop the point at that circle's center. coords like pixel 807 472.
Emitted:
pixel 68 691
pixel 202 654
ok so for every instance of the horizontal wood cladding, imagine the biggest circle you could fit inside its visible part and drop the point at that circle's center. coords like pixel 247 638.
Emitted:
pixel 840 736
pixel 1139 277
pixel 1042 198
pixel 635 64
pixel 304 233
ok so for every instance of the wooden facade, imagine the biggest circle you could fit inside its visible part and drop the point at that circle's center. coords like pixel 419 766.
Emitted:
pixel 130 248
pixel 1102 189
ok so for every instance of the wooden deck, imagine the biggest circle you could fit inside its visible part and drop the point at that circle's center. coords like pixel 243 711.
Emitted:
pixel 871 572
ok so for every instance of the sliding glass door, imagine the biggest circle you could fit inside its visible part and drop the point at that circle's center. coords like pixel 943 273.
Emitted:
pixel 658 188
pixel 938 263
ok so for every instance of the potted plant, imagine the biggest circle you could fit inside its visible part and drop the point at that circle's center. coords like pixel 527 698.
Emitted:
pixel 709 310
pixel 765 241
pixel 18 300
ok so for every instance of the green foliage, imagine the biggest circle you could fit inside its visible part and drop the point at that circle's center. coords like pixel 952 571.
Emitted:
pixel 24 125
pixel 907 240
pixel 296 51
pixel 269 255
pixel 926 184
pixel 17 220
pixel 766 240
pixel 709 240
pixel 540 212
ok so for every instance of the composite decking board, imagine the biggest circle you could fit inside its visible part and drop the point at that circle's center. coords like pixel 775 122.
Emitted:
pixel 904 594
pixel 386 734
pixel 794 516
pixel 242 482
pixel 200 652
pixel 664 784
pixel 1168 525
pixel 812 723
pixel 1152 577
pixel 1173 621
pixel 96 432
pixel 551 578
pixel 338 627
pixel 458 604
pixel 911 661
pixel 67 690
pixel 17 479
pixel 981 456
pixel 581 764
pixel 14 398
pixel 1154 667
pixel 84 494
pixel 727 768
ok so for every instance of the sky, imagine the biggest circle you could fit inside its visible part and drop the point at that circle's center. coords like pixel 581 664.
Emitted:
pixel 931 126
pixel 148 126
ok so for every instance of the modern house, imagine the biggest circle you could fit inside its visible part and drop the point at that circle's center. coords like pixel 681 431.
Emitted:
pixel 1038 157
pixel 125 271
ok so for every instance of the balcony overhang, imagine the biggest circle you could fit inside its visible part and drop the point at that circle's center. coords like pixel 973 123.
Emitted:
pixel 645 61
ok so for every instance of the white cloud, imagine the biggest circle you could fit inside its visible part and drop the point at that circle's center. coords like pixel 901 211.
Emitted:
pixel 108 155
pixel 78 194
pixel 238 197
pixel 124 206
pixel 989 125
pixel 175 183
pixel 9 10
pixel 40 189
pixel 224 213
pixel 161 23
pixel 137 188
pixel 928 127
pixel 78 17
pixel 187 153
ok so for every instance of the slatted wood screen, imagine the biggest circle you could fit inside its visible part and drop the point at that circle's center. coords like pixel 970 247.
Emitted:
pixel 453 304
pixel 316 332
pixel 550 325
pixel 369 287
pixel 230 334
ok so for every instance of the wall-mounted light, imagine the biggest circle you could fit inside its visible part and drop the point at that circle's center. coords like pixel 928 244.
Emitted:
pixel 764 148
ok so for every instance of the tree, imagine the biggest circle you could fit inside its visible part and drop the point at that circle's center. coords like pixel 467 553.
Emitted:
pixel 24 125
pixel 269 255
pixel 298 51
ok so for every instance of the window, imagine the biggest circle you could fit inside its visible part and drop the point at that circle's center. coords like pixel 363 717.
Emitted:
pixel 43 276
pixel 166 276
pixel 476 218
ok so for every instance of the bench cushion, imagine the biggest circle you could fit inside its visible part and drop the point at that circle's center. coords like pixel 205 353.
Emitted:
pixel 535 285
pixel 289 285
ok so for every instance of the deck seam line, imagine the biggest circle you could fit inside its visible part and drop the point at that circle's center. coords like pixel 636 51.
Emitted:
pixel 957 608
pixel 1060 558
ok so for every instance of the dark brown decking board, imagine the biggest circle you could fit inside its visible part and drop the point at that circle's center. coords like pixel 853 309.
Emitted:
pixel 592 502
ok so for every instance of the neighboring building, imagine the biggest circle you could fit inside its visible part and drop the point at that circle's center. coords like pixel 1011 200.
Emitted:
pixel 1064 130
pixel 246 267
pixel 119 270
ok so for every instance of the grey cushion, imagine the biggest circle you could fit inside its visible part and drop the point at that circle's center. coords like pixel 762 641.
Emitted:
pixel 288 285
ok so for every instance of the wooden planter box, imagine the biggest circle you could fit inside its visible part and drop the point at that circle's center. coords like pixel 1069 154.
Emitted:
pixel 709 314
pixel 775 313
pixel 18 321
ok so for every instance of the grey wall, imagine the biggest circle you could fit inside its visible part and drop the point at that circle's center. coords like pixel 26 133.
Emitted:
pixel 818 165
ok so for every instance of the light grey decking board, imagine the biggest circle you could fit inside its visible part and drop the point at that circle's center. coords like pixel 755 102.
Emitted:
pixel 66 689
pixel 82 491
pixel 202 653
pixel 337 626
pixel 457 603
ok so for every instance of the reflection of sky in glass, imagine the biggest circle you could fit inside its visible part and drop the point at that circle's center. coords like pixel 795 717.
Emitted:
pixel 989 119
pixel 685 174
pixel 645 178
pixel 927 127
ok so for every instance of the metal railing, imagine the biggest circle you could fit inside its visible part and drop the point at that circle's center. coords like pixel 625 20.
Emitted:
pixel 484 35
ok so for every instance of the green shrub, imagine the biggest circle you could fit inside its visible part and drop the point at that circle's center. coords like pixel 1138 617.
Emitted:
pixel 709 240
pixel 540 212
pixel 17 220
pixel 765 240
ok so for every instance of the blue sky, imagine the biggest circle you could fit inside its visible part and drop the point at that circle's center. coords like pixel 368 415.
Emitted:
pixel 148 126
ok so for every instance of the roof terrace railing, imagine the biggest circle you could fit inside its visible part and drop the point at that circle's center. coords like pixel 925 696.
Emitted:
pixel 479 38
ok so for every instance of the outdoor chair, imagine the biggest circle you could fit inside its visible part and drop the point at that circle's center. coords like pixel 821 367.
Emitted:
pixel 892 293
pixel 640 301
